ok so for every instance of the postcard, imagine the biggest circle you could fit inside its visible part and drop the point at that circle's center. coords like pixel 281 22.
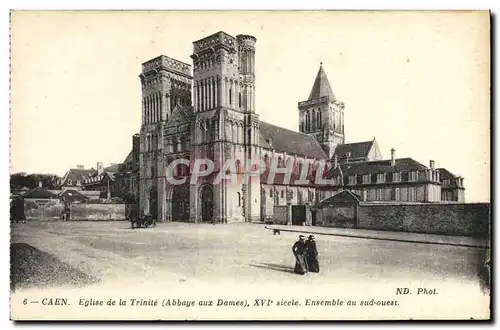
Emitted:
pixel 250 165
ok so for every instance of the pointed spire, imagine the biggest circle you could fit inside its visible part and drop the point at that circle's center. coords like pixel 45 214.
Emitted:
pixel 321 86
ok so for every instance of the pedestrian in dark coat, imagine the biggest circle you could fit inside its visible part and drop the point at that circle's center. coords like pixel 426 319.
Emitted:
pixel 299 250
pixel 312 255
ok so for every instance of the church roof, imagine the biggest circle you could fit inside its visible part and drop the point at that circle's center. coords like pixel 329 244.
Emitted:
pixel 357 149
pixel 321 86
pixel 291 142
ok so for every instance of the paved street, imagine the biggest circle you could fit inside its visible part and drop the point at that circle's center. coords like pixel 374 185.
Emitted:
pixel 248 252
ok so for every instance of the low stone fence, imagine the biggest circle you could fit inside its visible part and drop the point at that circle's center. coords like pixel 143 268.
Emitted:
pixel 98 212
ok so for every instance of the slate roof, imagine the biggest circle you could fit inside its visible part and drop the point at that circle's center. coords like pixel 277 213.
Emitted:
pixel 128 159
pixel 291 142
pixel 381 166
pixel 111 175
pixel 444 174
pixel 71 196
pixel 342 197
pixel 112 168
pixel 321 86
pixel 76 174
pixel 357 149
pixel 39 193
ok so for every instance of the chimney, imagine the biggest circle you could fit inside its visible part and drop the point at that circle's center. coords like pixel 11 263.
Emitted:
pixel 100 168
pixel 393 157
pixel 80 167
pixel 40 184
pixel 335 161
pixel 431 164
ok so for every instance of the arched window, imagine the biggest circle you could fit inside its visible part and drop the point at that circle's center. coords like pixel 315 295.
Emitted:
pixel 230 95
pixel 280 162
pixel 175 145
pixel 266 161
pixel 238 166
pixel 319 119
pixel 239 100
pixel 235 132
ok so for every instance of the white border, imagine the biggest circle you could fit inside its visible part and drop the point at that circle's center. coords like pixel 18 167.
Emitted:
pixel 181 5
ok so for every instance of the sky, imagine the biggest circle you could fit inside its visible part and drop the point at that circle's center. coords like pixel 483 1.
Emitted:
pixel 419 82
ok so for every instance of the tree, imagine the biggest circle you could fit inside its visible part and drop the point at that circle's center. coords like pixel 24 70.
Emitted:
pixel 20 180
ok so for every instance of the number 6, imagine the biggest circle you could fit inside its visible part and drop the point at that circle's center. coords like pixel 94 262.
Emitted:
pixel 25 301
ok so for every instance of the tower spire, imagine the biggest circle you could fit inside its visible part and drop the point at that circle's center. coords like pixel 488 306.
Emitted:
pixel 321 86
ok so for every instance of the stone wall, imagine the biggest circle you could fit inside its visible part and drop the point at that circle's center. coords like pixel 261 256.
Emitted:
pixel 280 215
pixel 43 209
pixel 343 215
pixel 446 219
pixel 98 212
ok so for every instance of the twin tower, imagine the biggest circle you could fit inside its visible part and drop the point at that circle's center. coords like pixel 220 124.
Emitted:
pixel 208 115
pixel 211 115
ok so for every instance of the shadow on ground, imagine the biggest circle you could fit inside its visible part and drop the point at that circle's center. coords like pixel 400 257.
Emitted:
pixel 32 268
pixel 276 267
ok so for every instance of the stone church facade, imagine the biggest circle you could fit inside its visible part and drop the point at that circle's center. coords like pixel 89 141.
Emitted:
pixel 210 114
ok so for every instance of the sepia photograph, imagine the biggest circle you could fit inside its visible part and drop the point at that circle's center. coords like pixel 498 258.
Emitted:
pixel 250 165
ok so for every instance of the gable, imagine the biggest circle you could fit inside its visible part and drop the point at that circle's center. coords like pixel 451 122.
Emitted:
pixel 180 115
pixel 357 150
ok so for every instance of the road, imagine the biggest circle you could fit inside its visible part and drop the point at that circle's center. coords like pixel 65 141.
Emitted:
pixel 186 259
pixel 248 251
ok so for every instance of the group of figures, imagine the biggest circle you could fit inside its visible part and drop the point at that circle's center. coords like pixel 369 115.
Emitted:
pixel 306 255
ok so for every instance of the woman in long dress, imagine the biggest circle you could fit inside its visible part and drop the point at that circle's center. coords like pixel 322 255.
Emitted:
pixel 299 250
pixel 312 255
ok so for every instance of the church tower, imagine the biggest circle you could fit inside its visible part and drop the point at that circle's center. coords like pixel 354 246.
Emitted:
pixel 226 126
pixel 165 83
pixel 322 114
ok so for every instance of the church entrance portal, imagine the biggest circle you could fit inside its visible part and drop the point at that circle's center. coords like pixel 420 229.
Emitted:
pixel 207 204
pixel 180 204
pixel 298 215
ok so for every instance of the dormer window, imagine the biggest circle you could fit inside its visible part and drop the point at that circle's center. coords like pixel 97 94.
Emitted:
pixel 413 176
pixel 352 180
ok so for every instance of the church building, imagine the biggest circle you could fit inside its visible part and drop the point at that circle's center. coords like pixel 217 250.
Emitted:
pixel 207 111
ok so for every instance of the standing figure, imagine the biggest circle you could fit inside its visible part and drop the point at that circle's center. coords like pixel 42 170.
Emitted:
pixel 312 255
pixel 299 251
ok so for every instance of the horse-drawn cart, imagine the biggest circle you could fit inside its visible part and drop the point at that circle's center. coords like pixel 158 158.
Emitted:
pixel 143 221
